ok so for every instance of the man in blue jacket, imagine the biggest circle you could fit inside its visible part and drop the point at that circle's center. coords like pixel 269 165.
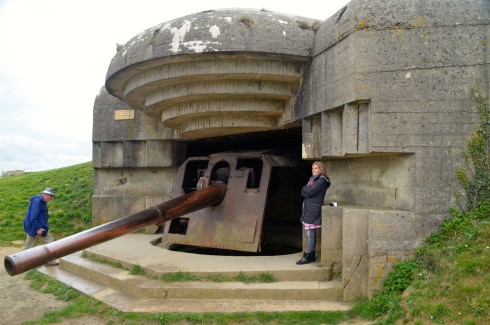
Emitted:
pixel 36 220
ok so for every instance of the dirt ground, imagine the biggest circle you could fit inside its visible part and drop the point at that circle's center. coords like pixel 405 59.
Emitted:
pixel 19 303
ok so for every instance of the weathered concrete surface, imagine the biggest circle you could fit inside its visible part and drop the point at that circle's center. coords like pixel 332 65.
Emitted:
pixel 218 31
pixel 133 160
pixel 355 259
pixel 216 73
pixel 332 239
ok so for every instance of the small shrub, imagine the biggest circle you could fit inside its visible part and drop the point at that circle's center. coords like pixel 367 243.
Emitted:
pixel 387 302
pixel 400 278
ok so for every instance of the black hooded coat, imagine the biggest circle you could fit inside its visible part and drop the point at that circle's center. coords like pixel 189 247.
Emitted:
pixel 314 195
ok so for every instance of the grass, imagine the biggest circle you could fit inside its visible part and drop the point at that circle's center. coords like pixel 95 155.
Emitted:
pixel 452 283
pixel 70 212
pixel 447 282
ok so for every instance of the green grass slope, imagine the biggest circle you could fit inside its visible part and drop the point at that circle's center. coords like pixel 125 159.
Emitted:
pixel 70 212
pixel 447 281
pixel 451 284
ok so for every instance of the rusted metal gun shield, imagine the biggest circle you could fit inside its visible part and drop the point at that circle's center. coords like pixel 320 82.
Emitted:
pixel 236 224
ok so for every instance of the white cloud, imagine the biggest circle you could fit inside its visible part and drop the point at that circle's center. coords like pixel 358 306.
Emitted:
pixel 53 62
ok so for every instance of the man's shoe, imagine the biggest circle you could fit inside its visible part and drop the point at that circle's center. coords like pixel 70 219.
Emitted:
pixel 52 264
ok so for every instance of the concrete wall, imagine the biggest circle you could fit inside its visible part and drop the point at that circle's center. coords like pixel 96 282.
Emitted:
pixel 388 105
pixel 362 244
pixel 134 160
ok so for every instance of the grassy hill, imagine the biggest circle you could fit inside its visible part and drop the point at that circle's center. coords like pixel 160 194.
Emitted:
pixel 451 284
pixel 447 282
pixel 70 212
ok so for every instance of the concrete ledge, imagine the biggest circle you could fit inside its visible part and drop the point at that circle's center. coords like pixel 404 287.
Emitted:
pixel 126 292
pixel 142 287
pixel 129 303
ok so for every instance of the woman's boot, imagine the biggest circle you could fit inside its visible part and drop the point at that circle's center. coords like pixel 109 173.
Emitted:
pixel 307 258
pixel 302 260
pixel 312 257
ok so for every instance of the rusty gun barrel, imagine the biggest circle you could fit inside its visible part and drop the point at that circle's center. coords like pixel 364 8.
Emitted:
pixel 185 204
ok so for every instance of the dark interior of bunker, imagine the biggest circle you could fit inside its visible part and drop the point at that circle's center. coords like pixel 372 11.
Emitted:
pixel 281 229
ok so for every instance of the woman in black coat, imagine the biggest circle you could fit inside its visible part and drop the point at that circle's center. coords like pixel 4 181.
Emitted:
pixel 314 194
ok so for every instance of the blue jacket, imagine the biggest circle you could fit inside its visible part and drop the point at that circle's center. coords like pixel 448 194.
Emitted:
pixel 314 196
pixel 36 216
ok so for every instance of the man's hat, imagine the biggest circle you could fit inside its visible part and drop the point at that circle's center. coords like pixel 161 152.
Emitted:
pixel 49 191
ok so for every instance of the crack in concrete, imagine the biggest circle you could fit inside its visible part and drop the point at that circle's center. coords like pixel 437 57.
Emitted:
pixel 354 271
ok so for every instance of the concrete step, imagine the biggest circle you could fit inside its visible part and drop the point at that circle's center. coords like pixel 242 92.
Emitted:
pixel 143 287
pixel 310 272
pixel 297 287
pixel 129 303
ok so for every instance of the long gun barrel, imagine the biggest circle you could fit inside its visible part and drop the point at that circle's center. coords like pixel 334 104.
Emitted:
pixel 185 204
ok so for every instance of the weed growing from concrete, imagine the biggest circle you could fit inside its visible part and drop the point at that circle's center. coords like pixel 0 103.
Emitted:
pixel 474 176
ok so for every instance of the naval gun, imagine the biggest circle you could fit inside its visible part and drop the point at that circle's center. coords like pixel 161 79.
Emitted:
pixel 256 184
pixel 39 255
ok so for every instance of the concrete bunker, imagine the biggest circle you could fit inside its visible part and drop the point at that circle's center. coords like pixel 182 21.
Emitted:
pixel 374 90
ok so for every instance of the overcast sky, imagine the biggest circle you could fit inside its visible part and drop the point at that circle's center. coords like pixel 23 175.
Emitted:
pixel 54 56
